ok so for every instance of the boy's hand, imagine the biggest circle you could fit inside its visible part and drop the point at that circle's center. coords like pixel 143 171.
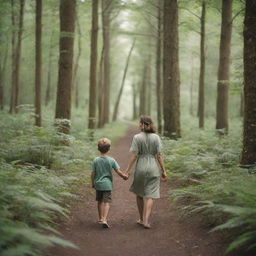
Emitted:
pixel 125 176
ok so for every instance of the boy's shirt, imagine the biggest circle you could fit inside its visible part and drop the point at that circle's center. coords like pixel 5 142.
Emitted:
pixel 103 166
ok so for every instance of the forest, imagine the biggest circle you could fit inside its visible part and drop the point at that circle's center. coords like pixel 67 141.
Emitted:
pixel 74 71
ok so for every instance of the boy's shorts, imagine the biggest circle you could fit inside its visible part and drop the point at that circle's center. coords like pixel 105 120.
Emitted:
pixel 103 196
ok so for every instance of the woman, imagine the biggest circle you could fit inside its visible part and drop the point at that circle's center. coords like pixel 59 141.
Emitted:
pixel 146 152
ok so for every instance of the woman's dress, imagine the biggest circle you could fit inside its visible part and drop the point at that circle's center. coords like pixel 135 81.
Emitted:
pixel 146 181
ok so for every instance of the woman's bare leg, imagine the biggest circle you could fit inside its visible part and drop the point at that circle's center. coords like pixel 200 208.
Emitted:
pixel 140 205
pixel 148 203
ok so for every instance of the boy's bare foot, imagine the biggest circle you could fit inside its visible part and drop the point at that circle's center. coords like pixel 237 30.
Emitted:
pixel 100 221
pixel 105 224
pixel 140 222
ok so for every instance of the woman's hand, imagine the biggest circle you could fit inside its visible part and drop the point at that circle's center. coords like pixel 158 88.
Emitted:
pixel 164 176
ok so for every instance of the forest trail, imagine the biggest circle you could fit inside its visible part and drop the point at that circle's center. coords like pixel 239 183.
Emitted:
pixel 170 235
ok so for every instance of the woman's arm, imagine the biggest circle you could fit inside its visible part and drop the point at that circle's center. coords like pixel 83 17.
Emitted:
pixel 131 163
pixel 161 162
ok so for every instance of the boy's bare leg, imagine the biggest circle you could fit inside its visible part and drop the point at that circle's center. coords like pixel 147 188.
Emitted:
pixel 148 203
pixel 100 210
pixel 140 205
pixel 105 208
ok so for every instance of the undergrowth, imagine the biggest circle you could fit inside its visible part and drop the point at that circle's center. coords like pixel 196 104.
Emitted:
pixel 211 181
pixel 40 171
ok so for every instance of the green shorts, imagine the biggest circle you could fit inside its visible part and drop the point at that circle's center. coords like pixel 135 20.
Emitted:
pixel 103 196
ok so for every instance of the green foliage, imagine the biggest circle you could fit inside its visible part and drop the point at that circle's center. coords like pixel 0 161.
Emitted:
pixel 213 184
pixel 40 171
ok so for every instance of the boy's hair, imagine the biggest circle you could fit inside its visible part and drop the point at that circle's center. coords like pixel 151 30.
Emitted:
pixel 104 145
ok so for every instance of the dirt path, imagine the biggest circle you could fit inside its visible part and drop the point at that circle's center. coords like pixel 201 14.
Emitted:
pixel 169 236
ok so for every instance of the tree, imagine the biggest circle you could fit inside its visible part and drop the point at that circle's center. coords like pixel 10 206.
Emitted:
pixel 106 11
pixel 123 82
pixel 66 44
pixel 38 60
pixel 143 92
pixel 75 89
pixel 159 89
pixel 224 67
pixel 93 66
pixel 171 73
pixel 202 68
pixel 16 54
pixel 49 71
pixel 249 148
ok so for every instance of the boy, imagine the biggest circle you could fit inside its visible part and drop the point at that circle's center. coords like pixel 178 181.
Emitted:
pixel 102 179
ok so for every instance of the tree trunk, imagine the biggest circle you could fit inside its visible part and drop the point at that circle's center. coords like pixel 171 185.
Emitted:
pixel 224 66
pixel 202 69
pixel 159 93
pixel 13 20
pixel 143 92
pixel 149 87
pixel 49 72
pixel 75 82
pixel 249 146
pixel 123 82
pixel 134 94
pixel 106 11
pixel 171 72
pixel 17 58
pixel 93 66
pixel 38 60
pixel 67 29
pixel 101 93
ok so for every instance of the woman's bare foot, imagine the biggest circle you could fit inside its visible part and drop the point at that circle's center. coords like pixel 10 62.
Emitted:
pixel 147 226
pixel 105 224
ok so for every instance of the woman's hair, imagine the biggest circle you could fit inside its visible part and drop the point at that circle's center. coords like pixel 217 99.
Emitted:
pixel 148 125
pixel 104 145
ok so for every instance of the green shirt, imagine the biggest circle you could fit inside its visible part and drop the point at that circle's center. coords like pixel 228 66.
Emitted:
pixel 103 166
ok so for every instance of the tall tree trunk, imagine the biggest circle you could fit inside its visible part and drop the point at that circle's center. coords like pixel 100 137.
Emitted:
pixel 159 95
pixel 49 72
pixel 249 146
pixel 171 72
pixel 38 60
pixel 224 67
pixel 13 20
pixel 106 11
pixel 202 69
pixel 123 82
pixel 143 92
pixel 75 82
pixel 67 29
pixel 17 57
pixel 101 93
pixel 93 66
pixel 134 101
